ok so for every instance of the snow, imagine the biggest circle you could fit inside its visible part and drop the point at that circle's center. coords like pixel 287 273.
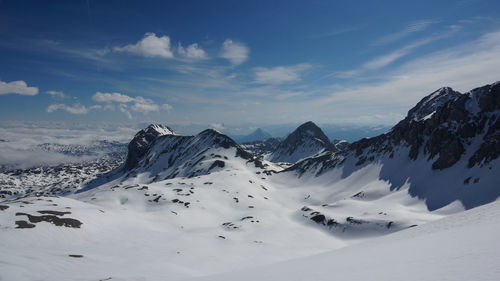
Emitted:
pixel 127 235
pixel 163 130
pixel 177 216
pixel 463 246
pixel 307 148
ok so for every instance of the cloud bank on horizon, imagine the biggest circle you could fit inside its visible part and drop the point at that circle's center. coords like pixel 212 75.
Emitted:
pixel 250 63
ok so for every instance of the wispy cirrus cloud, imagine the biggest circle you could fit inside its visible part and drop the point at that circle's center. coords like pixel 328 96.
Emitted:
pixel 462 67
pixel 17 87
pixel 338 31
pixel 413 27
pixel 391 57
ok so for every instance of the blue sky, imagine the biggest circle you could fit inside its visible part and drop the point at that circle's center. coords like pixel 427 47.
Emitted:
pixel 234 63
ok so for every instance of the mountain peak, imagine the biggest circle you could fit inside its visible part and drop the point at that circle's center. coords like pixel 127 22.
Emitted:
pixel 158 129
pixel 429 104
pixel 210 132
pixel 308 139
pixel 259 130
pixel 141 142
pixel 310 129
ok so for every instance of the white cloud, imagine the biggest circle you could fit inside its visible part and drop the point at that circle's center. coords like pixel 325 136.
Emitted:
pixel 167 107
pixel 144 105
pixel 279 74
pixel 109 107
pixel 288 95
pixel 217 126
pixel 411 28
pixel 236 53
pixel 22 148
pixel 137 104
pixel 149 46
pixel 56 94
pixel 111 97
pixel 124 109
pixel 77 108
pixel 192 51
pixel 17 87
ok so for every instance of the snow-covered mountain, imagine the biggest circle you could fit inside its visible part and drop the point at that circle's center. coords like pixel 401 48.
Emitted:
pixel 156 153
pixel 307 140
pixel 446 149
pixel 142 141
pixel 190 206
pixel 169 155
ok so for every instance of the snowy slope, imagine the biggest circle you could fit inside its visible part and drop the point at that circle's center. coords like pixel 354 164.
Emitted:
pixel 185 227
pixel 262 147
pixel 159 230
pixel 463 246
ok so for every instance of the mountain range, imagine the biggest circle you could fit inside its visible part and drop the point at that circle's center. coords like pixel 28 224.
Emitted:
pixel 189 207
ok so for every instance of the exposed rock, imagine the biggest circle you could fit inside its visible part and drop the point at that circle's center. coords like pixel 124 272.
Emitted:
pixel 66 222
pixel 24 224
pixel 75 256
pixel 56 213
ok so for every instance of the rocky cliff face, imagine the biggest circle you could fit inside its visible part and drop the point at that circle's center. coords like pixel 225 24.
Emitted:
pixel 443 126
pixel 446 149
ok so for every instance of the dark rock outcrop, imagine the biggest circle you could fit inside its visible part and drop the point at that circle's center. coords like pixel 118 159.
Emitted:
pixel 66 222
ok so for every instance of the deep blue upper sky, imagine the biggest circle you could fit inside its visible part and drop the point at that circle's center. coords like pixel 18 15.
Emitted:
pixel 234 62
